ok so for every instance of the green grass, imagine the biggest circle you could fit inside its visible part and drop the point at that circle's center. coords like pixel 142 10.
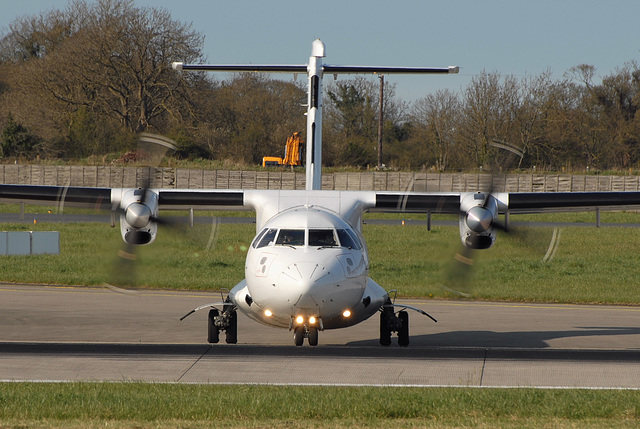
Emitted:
pixel 161 405
pixel 203 257
pixel 595 265
pixel 591 265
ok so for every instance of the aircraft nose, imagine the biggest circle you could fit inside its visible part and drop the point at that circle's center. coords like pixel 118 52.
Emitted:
pixel 300 279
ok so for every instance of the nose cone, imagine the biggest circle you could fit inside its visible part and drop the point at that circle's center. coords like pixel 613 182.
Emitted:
pixel 138 215
pixel 303 283
pixel 479 219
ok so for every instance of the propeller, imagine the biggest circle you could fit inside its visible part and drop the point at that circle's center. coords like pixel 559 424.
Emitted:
pixel 478 222
pixel 138 210
pixel 139 218
pixel 480 219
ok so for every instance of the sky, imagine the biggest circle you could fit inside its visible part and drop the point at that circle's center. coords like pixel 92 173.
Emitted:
pixel 510 37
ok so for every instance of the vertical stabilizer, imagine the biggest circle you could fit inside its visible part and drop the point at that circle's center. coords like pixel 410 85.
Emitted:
pixel 315 71
pixel 314 117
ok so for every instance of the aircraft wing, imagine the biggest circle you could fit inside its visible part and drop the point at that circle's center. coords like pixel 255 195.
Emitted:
pixel 515 202
pixel 99 198
pixel 537 202
pixel 107 198
pixel 205 199
pixel 417 202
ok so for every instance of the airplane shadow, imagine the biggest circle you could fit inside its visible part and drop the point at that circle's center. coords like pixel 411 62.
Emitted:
pixel 518 339
pixel 521 345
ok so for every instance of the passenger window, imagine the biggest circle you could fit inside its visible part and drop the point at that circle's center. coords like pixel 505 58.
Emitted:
pixel 268 237
pixel 322 237
pixel 291 237
pixel 348 240
pixel 258 237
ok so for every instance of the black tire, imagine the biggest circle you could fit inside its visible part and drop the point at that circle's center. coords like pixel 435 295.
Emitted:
pixel 385 332
pixel 232 329
pixel 298 335
pixel 213 333
pixel 403 332
pixel 313 337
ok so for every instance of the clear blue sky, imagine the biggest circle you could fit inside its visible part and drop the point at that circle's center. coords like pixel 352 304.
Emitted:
pixel 509 36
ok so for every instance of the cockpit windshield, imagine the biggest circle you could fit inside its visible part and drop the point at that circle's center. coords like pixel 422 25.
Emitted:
pixel 317 237
pixel 348 239
pixel 268 235
pixel 291 237
pixel 322 237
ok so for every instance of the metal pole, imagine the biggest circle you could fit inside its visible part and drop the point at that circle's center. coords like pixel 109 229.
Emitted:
pixel 380 121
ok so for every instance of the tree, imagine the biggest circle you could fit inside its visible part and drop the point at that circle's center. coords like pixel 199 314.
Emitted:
pixel 109 58
pixel 15 140
pixel 351 120
pixel 488 116
pixel 607 113
pixel 435 118
pixel 251 116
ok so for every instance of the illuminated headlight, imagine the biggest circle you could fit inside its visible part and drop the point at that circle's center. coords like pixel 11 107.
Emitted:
pixel 312 320
pixel 347 313
pixel 268 313
pixel 299 320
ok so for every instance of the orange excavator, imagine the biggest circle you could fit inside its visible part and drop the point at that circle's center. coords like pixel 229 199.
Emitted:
pixel 292 153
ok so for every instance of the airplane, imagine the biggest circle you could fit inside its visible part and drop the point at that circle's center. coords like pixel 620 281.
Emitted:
pixel 307 269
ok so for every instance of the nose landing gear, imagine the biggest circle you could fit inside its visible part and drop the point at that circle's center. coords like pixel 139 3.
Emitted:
pixel 301 332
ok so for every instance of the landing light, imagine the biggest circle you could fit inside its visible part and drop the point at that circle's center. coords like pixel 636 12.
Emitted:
pixel 347 313
pixel 299 320
pixel 312 320
pixel 268 313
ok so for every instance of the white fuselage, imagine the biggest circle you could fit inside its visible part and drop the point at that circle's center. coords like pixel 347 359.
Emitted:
pixel 307 265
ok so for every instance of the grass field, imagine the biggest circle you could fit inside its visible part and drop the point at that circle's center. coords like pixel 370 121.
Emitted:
pixel 591 265
pixel 142 405
pixel 595 265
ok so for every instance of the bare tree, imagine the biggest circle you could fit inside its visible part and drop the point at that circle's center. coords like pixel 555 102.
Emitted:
pixel 435 118
pixel 252 117
pixel 488 115
pixel 351 120
pixel 110 61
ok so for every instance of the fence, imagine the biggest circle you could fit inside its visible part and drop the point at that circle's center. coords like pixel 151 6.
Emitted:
pixel 127 177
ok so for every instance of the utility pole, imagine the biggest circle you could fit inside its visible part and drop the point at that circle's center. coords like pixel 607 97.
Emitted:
pixel 380 121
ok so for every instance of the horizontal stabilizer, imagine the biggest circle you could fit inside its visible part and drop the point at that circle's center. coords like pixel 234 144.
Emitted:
pixel 332 69
pixel 388 70
pixel 266 68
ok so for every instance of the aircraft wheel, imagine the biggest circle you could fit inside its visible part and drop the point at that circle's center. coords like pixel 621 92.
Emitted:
pixel 298 335
pixel 232 329
pixel 385 332
pixel 313 336
pixel 213 332
pixel 403 332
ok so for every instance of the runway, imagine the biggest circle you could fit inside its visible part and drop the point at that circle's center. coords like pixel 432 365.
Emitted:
pixel 53 333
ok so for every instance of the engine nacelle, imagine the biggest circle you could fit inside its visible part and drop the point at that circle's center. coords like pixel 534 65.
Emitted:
pixel 138 209
pixel 478 213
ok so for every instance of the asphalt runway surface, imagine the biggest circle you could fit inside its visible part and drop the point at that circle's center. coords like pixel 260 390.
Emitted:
pixel 55 333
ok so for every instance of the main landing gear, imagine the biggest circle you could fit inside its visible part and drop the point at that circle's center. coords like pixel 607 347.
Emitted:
pixel 227 321
pixel 390 322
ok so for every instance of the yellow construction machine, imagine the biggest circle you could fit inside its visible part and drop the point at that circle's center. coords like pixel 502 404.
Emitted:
pixel 292 153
